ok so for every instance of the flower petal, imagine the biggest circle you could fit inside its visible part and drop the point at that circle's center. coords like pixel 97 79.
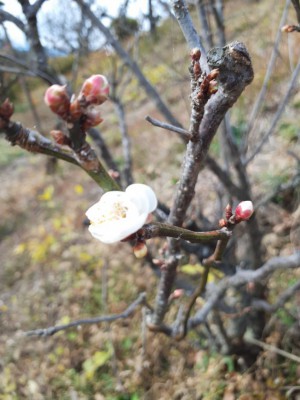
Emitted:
pixel 114 231
pixel 143 196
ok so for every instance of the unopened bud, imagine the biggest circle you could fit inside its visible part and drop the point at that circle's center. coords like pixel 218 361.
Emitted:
pixel 222 223
pixel 228 212
pixel 213 86
pixel 75 109
pixel 59 137
pixel 288 28
pixel 195 54
pixel 93 117
pixel 57 99
pixel 177 293
pixel 140 250
pixel 113 174
pixel 6 109
pixel 95 89
pixel 244 211
pixel 214 73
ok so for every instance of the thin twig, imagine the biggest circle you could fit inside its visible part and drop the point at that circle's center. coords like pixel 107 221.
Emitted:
pixel 290 90
pixel 274 349
pixel 260 99
pixel 186 24
pixel 186 135
pixel 141 299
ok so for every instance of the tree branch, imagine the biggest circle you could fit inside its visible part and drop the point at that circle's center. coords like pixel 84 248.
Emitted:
pixel 150 90
pixel 191 36
pixel 279 112
pixel 141 299
pixel 34 142
pixel 185 135
pixel 241 278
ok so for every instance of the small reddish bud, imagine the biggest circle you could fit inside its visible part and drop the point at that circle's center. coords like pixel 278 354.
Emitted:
pixel 93 117
pixel 251 287
pixel 6 109
pixel 95 90
pixel 75 109
pixel 140 250
pixel 113 174
pixel 57 99
pixel 214 73
pixel 195 54
pixel 222 223
pixel 157 261
pixel 197 70
pixel 228 212
pixel 177 293
pixel 288 28
pixel 213 86
pixel 60 138
pixel 244 211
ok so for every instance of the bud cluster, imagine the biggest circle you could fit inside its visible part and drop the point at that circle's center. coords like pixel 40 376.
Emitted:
pixel 84 107
pixel 243 212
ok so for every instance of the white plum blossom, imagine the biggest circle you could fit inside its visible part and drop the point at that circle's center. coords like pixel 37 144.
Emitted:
pixel 120 214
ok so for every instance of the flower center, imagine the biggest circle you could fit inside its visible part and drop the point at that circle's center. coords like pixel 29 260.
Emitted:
pixel 112 212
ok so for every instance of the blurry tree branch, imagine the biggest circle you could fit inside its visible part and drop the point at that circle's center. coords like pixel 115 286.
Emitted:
pixel 141 300
pixel 241 278
pixel 6 16
pixel 149 89
pixel 271 65
pixel 191 36
pixel 285 99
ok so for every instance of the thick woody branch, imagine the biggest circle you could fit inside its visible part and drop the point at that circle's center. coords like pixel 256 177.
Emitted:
pixel 235 73
pixel 83 157
pixel 88 321
pixel 105 153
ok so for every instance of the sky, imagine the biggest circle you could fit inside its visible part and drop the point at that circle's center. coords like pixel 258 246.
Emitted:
pixel 12 6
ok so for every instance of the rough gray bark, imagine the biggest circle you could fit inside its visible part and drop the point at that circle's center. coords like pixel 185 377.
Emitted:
pixel 234 64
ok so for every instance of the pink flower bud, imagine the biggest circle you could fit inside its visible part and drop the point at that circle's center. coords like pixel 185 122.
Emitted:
pixel 75 109
pixel 244 211
pixel 6 109
pixel 195 54
pixel 60 138
pixel 93 116
pixel 57 99
pixel 95 89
